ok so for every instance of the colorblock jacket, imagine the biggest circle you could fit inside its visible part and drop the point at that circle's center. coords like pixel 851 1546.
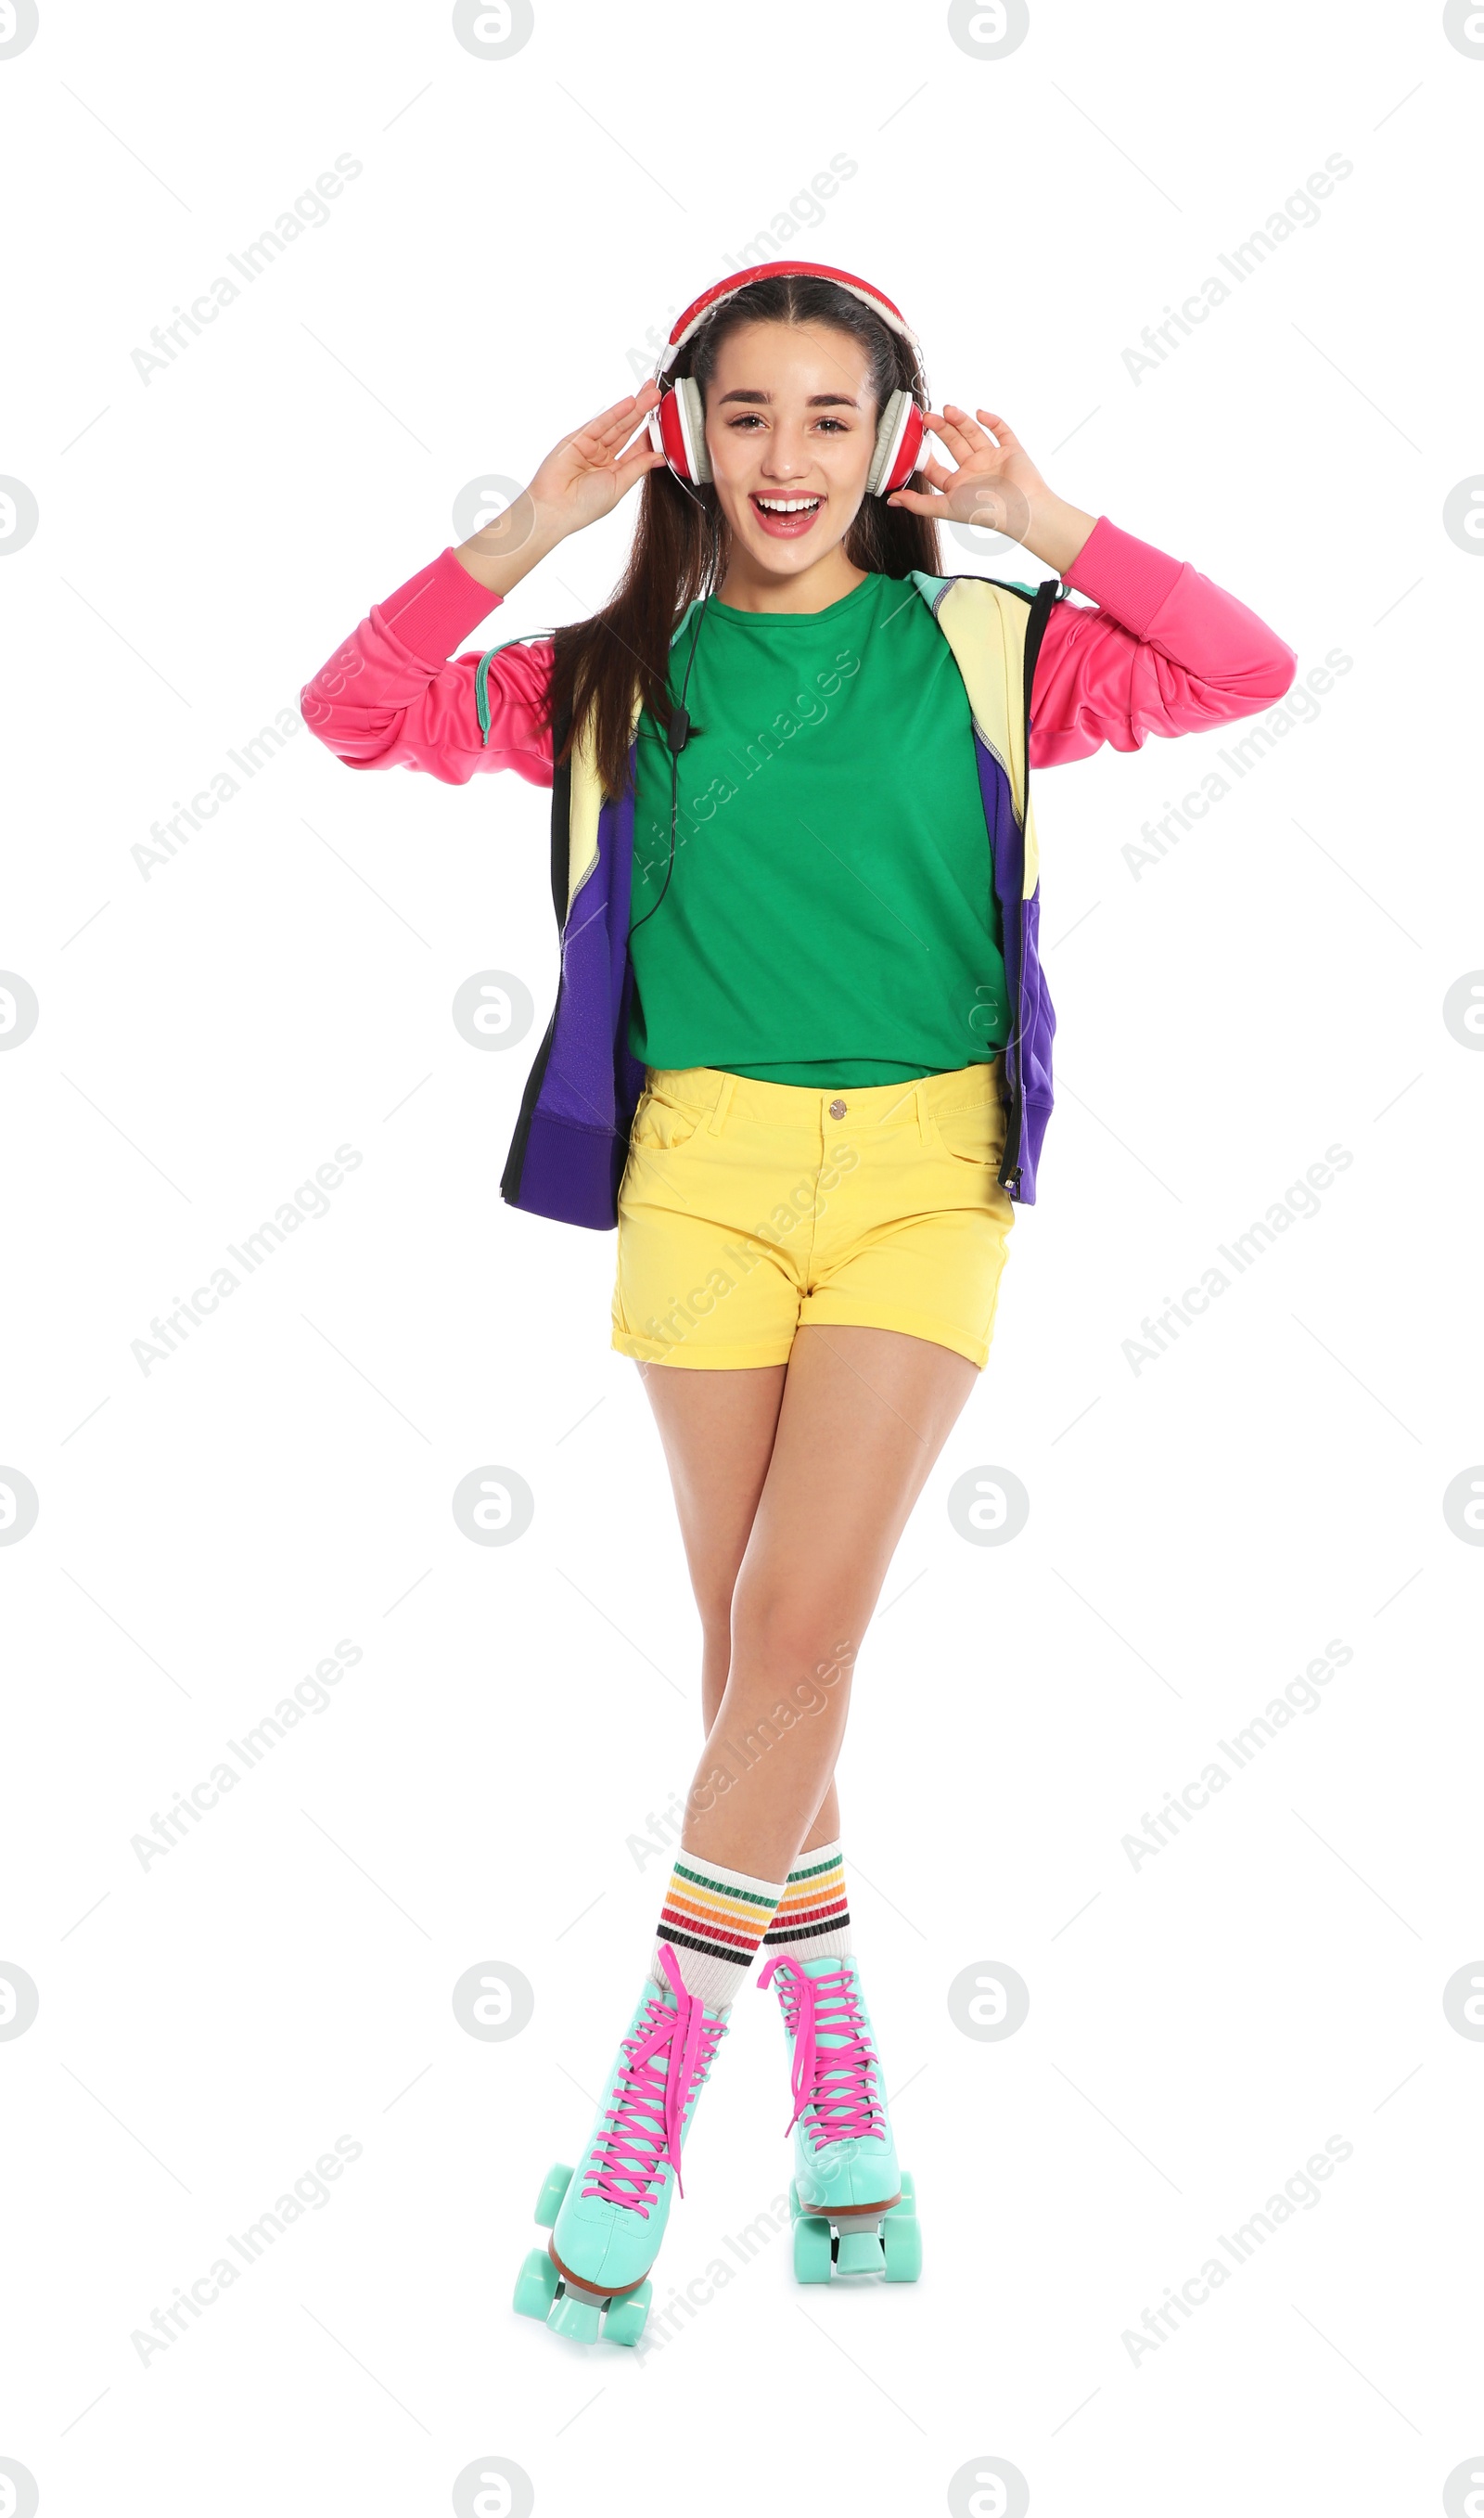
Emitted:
pixel 1160 650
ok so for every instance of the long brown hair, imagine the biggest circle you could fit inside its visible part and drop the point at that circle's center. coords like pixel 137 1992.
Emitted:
pixel 680 546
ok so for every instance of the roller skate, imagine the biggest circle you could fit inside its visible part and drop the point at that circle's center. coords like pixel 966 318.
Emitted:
pixel 607 2218
pixel 853 2210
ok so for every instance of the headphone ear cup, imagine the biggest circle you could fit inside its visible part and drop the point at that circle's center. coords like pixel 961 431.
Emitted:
pixel 693 411
pixel 898 444
pixel 667 435
pixel 678 431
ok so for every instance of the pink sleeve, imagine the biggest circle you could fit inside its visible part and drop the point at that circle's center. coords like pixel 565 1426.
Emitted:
pixel 389 695
pixel 1166 652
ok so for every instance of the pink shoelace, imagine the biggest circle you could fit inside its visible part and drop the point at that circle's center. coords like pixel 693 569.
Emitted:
pixel 668 2058
pixel 836 2082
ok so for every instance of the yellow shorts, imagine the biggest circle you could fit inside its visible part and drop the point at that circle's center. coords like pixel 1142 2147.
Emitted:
pixel 748 1210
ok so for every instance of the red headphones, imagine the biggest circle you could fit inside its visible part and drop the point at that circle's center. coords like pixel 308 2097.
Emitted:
pixel 677 428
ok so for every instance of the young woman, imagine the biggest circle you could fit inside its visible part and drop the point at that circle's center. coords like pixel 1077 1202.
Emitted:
pixel 801 1055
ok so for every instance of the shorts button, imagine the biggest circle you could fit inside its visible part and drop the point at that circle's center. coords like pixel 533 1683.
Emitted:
pixel 838 1110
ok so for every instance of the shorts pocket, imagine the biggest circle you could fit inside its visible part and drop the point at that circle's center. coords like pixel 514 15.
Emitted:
pixel 660 1127
pixel 974 1137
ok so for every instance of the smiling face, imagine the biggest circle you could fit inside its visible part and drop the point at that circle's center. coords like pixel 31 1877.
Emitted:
pixel 790 430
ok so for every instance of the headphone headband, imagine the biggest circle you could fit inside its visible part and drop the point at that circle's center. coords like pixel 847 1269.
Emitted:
pixel 694 314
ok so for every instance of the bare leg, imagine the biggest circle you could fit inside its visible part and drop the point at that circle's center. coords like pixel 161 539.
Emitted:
pixel 864 1416
pixel 717 1430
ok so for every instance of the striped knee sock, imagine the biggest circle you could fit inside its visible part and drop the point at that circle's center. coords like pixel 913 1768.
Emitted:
pixel 812 1920
pixel 713 1920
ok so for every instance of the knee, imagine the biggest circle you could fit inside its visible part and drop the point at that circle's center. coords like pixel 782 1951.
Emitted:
pixel 796 1642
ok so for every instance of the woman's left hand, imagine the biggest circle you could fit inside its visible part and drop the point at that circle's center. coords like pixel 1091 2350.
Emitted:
pixel 994 484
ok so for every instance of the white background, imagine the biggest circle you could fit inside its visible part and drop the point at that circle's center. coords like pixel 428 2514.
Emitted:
pixel 209 1033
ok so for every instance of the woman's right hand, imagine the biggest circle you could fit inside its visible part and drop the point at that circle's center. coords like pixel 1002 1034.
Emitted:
pixel 582 478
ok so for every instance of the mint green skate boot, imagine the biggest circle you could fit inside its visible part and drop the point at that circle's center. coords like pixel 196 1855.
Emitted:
pixel 854 2211
pixel 607 2218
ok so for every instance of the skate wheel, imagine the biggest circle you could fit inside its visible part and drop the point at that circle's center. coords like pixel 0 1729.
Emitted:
pixel 577 2319
pixel 909 2200
pixel 535 2285
pixel 813 2252
pixel 549 2201
pixel 902 2243
pixel 626 2319
pixel 859 2251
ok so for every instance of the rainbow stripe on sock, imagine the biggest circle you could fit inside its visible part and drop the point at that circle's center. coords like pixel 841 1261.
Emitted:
pixel 710 1915
pixel 814 1901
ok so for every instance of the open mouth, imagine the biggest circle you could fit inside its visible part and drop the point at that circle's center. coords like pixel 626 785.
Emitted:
pixel 786 518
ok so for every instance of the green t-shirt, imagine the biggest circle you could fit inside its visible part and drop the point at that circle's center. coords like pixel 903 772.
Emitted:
pixel 831 916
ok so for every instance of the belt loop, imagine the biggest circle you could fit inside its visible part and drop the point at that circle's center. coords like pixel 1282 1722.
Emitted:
pixel 925 1115
pixel 723 1105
